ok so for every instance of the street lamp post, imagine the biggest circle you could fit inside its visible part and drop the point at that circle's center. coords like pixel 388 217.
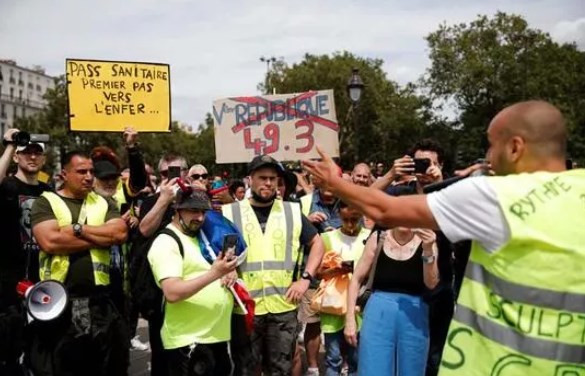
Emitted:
pixel 355 88
pixel 268 61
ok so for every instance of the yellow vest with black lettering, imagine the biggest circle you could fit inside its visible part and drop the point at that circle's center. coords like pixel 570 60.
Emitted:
pixel 272 255
pixel 306 203
pixel 521 309
pixel 56 266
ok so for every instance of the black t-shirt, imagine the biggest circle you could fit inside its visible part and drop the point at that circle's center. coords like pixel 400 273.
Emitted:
pixel 404 276
pixel 308 231
pixel 79 281
pixel 16 200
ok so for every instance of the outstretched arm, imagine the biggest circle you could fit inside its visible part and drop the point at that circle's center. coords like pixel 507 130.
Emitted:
pixel 409 211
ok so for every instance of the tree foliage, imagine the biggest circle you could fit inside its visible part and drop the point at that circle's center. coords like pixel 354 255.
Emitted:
pixel 196 147
pixel 491 63
pixel 387 119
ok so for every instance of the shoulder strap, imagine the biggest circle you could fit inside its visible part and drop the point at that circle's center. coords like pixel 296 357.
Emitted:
pixel 381 237
pixel 172 234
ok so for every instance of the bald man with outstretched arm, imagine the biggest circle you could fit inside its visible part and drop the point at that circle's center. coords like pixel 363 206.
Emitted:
pixel 522 302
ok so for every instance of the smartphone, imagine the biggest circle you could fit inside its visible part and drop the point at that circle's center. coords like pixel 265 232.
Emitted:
pixel 230 241
pixel 347 264
pixel 174 172
pixel 421 165
pixel 124 208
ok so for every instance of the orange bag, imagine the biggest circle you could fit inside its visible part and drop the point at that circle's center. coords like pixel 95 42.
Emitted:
pixel 331 296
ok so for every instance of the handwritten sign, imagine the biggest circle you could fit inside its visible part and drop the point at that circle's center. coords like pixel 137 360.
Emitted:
pixel 111 95
pixel 287 127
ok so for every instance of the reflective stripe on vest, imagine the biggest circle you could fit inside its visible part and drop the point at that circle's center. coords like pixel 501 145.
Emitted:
pixel 272 255
pixel 56 266
pixel 306 203
pixel 521 309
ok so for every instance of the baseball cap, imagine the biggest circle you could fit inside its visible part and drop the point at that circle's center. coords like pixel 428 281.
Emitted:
pixel 20 149
pixel 105 169
pixel 192 200
pixel 265 161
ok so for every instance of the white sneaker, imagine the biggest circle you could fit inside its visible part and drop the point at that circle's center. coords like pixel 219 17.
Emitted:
pixel 135 344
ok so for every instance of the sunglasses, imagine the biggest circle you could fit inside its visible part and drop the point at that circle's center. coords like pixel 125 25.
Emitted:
pixel 199 176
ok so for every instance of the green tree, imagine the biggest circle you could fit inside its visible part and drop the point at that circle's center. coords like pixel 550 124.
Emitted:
pixel 388 117
pixel 491 63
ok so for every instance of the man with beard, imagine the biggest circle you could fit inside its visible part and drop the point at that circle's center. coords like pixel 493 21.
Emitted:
pixel 275 231
pixel 20 252
pixel 198 307
pixel 524 271
pixel 75 229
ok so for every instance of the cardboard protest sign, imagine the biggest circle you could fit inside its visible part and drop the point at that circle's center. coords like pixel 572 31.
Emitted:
pixel 111 95
pixel 287 127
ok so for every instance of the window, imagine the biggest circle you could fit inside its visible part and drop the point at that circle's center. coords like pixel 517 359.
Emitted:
pixel 20 94
pixel 22 111
pixel 1 76
pixel 3 111
pixel 11 92
pixel 30 86
pixel 38 87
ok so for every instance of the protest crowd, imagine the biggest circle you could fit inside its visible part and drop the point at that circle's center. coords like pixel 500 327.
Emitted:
pixel 381 268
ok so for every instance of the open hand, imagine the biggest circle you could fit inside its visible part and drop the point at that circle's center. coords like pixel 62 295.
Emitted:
pixel 323 172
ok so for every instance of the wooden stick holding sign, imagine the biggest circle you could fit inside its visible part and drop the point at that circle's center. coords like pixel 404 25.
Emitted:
pixel 106 95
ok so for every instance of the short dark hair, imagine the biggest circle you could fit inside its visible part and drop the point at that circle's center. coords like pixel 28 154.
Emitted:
pixel 234 185
pixel 67 157
pixel 428 144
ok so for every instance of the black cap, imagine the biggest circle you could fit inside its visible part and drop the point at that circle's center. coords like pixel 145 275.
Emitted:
pixel 192 200
pixel 265 161
pixel 105 169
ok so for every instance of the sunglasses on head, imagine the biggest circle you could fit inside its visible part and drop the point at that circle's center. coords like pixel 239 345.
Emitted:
pixel 199 176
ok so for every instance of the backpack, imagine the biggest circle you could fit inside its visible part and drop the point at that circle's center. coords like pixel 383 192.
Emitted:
pixel 147 296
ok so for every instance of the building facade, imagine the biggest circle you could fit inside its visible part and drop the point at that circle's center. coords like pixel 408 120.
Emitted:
pixel 21 92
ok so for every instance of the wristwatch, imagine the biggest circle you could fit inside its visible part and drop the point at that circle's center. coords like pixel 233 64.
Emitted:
pixel 429 259
pixel 77 227
pixel 307 276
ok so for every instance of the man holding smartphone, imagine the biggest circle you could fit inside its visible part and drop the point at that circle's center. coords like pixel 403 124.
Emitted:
pixel 198 308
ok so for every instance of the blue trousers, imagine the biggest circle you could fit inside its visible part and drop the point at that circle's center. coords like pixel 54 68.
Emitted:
pixel 334 342
pixel 394 338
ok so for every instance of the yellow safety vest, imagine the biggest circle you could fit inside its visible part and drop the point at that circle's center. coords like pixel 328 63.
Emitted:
pixel 333 242
pixel 56 266
pixel 306 203
pixel 521 310
pixel 272 255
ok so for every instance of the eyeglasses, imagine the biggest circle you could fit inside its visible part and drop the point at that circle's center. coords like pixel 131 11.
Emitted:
pixel 199 176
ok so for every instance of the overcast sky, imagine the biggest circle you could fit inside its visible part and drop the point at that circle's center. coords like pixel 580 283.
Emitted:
pixel 214 47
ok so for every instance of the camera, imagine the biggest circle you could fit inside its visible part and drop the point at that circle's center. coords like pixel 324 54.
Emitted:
pixel 24 138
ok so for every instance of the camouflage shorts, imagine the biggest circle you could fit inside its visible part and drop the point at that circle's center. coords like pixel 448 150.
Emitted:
pixel 270 348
